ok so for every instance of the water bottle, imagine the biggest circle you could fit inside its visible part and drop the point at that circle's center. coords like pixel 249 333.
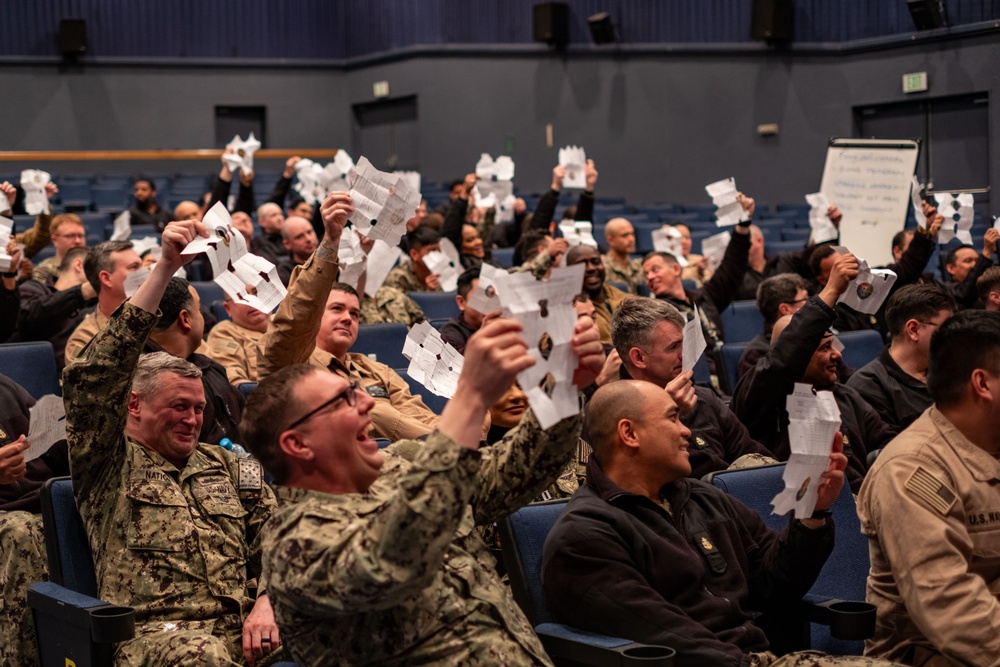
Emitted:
pixel 228 444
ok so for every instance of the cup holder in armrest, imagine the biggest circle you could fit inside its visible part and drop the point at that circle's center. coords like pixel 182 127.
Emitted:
pixel 848 619
pixel 647 654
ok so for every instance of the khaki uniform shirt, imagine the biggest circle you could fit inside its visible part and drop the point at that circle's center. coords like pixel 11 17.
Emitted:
pixel 612 297
pixel 930 507
pixel 404 278
pixel 174 544
pixel 291 339
pixel 84 333
pixel 398 575
pixel 236 349
pixel 390 305
pixel 47 268
pixel 630 274
pixel 694 272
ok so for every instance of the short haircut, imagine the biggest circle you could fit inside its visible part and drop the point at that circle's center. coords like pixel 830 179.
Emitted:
pixel 527 247
pixel 573 254
pixel 953 253
pixel 62 219
pixel 71 256
pixel 344 287
pixel 433 220
pixel 269 410
pixel 900 238
pixel 465 280
pixel 821 252
pixel 456 183
pixel 176 297
pixel 295 203
pixel 144 179
pixel 967 341
pixel 610 404
pixel 582 297
pixel 99 259
pixel 422 236
pixel 915 302
pixel 634 320
pixel 776 290
pixel 988 282
pixel 665 256
pixel 145 382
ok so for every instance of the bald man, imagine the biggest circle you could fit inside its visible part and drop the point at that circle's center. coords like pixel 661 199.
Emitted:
pixel 619 267
pixel 299 239
pixel 645 553
pixel 187 210
pixel 803 350
pixel 270 245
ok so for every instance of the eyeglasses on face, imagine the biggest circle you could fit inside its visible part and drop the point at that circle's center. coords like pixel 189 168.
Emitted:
pixel 348 396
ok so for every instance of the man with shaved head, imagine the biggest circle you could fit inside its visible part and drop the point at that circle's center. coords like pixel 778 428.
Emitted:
pixel 300 240
pixel 619 267
pixel 269 244
pixel 803 350
pixel 645 553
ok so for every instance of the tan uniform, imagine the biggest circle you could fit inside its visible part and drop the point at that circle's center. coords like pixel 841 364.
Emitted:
pixel 602 311
pixel 398 575
pixel 930 507
pixel 182 547
pixel 47 268
pixel 404 278
pixel 630 274
pixel 390 305
pixel 84 333
pixel 291 339
pixel 235 348
pixel 694 272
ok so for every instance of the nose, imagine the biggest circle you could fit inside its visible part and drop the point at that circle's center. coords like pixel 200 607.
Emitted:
pixel 365 401
pixel 685 432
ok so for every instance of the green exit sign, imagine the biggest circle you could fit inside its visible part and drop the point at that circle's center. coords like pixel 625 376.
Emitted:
pixel 915 82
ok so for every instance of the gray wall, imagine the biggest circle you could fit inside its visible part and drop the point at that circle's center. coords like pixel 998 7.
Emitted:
pixel 659 126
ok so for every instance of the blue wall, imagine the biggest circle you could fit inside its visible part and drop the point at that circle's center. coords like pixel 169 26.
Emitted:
pixel 341 29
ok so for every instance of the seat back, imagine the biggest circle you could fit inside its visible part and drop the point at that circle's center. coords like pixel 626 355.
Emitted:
pixel 731 354
pixel 860 347
pixel 70 561
pixel 741 321
pixel 31 365
pixel 503 256
pixel 436 304
pixel 431 400
pixel 845 574
pixel 522 537
pixel 385 341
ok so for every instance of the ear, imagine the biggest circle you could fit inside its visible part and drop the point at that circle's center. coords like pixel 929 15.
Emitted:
pixel 911 329
pixel 627 435
pixel 184 321
pixel 994 298
pixel 414 255
pixel 637 357
pixel 285 243
pixel 981 383
pixel 677 269
pixel 78 265
pixel 784 309
pixel 105 279
pixel 225 306
pixel 460 300
pixel 294 447
pixel 133 405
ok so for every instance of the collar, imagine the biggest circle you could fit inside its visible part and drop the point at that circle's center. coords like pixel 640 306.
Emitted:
pixel 982 466
pixel 897 372
pixel 676 492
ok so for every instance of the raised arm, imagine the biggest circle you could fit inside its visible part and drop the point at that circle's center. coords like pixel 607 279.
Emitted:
pixel 545 210
pixel 455 217
pixel 724 285
pixel 585 203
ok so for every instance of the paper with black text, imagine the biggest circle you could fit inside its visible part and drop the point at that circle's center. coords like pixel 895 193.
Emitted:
pixel 869 290
pixel 382 203
pixel 714 248
pixel 446 263
pixel 381 259
pixel 351 258
pixel 724 196
pixel 47 426
pixel 694 342
pixel 668 239
pixel 959 214
pixel 433 363
pixel 822 228
pixel 484 297
pixel 6 229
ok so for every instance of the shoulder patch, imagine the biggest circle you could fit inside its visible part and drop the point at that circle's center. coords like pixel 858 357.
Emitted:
pixel 931 490
pixel 251 477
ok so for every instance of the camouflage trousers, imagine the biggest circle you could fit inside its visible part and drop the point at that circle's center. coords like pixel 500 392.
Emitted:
pixel 214 643
pixel 815 659
pixel 22 563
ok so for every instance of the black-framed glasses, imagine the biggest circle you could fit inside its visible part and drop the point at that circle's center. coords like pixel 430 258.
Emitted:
pixel 348 395
pixel 795 301
pixel 930 324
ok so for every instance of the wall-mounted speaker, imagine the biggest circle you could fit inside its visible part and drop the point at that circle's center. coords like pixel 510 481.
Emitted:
pixel 927 14
pixel 72 37
pixel 772 20
pixel 550 21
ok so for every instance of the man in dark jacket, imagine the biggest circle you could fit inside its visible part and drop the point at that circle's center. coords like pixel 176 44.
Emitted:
pixel 895 383
pixel 649 337
pixel 802 350
pixel 643 552
pixel 458 330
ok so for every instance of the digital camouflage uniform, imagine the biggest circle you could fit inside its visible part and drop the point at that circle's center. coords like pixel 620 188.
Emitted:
pixel 182 547
pixel 630 274
pixel 22 563
pixel 398 575
pixel 390 305
pixel 404 278
pixel 234 347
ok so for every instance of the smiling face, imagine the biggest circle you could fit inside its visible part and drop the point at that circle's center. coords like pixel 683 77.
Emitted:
pixel 664 359
pixel 246 316
pixel 662 438
pixel 593 274
pixel 507 412
pixel 965 259
pixel 661 276
pixel 169 420
pixel 822 369
pixel 471 243
pixel 339 328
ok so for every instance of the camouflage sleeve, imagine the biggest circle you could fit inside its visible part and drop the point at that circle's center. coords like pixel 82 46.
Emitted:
pixel 538 266
pixel 37 237
pixel 259 507
pixel 341 560
pixel 96 389
pixel 521 466
pixel 291 334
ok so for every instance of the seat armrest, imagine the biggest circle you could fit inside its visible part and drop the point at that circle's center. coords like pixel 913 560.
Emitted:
pixel 569 645
pixel 848 619
pixel 73 628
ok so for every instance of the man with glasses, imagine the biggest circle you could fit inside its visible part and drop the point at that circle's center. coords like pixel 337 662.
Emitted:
pixel 895 383
pixel 174 525
pixel 67 232
pixel 372 557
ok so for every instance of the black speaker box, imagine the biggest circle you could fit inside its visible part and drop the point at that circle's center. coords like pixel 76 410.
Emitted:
pixel 772 20
pixel 551 22
pixel 72 37
pixel 926 14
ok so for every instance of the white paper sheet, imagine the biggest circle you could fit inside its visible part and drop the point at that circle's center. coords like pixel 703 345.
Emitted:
pixel 122 227
pixel 485 298
pixel 382 203
pixel 869 290
pixel 814 418
pixel 4 204
pixel 918 210
pixel 224 245
pixel 668 239
pixel 505 209
pixel 351 258
pixel 242 156
pixel 822 228
pixel 501 169
pixel 6 229
pixel 574 160
pixel 412 179
pixel 723 194
pixel 714 248
pixel 694 342
pixel 447 268
pixel 33 182
pixel 47 426
pixel 150 243
pixel 134 280
pixel 545 309
pixel 959 214
pixel 433 363
pixel 489 194
pixel 381 259
pixel 578 232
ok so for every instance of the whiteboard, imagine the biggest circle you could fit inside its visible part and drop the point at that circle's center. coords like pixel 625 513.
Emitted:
pixel 869 180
